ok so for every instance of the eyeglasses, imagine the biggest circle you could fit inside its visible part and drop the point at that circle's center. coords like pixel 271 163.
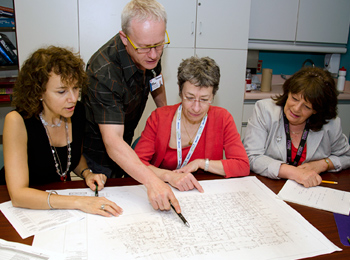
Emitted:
pixel 200 101
pixel 147 49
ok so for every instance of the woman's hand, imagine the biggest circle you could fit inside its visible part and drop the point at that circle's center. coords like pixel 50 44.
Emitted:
pixel 303 174
pixel 92 179
pixel 183 181
pixel 308 177
pixel 190 167
pixel 99 206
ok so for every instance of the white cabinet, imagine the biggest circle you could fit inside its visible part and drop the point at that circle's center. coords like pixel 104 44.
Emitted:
pixel 40 23
pixel 273 20
pixel 248 109
pixel 222 24
pixel 299 25
pixel 343 113
pixel 325 21
pixel 98 22
pixel 208 23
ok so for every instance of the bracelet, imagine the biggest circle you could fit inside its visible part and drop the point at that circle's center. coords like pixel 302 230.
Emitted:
pixel 81 173
pixel 206 167
pixel 327 161
pixel 48 198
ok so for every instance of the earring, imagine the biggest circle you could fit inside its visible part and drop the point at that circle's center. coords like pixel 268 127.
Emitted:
pixel 41 99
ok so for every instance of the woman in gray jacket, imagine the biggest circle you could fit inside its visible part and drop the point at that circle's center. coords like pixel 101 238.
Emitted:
pixel 297 135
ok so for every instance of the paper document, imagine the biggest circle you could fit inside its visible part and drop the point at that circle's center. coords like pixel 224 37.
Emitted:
pixel 328 199
pixel 239 218
pixel 12 251
pixel 28 222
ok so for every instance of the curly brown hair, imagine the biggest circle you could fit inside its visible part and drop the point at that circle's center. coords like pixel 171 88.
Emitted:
pixel 35 73
pixel 317 87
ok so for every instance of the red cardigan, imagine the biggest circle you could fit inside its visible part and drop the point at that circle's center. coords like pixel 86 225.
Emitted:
pixel 220 134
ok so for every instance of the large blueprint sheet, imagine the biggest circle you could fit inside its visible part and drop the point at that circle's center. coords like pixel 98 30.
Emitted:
pixel 234 218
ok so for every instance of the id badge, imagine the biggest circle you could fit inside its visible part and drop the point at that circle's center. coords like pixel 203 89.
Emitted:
pixel 156 82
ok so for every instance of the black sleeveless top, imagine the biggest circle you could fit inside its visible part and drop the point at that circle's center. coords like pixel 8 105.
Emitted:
pixel 40 159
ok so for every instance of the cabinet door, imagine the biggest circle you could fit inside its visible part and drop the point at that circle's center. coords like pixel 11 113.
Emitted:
pixel 325 21
pixel 98 22
pixel 343 113
pixel 40 23
pixel 181 24
pixel 222 24
pixel 273 20
pixel 232 82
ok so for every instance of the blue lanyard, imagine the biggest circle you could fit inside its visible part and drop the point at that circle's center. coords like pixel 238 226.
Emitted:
pixel 178 138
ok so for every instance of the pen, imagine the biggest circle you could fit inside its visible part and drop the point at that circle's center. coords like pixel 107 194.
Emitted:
pixel 96 191
pixel 331 182
pixel 180 215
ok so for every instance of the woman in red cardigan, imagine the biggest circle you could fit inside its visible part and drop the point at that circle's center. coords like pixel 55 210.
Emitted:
pixel 181 139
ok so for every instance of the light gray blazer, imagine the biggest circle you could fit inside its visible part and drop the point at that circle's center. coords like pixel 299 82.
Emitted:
pixel 265 141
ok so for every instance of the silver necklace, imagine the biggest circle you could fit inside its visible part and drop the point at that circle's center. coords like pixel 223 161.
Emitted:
pixel 47 124
pixel 63 175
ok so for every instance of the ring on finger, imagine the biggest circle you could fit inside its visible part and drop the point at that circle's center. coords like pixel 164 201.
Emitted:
pixel 103 182
pixel 103 206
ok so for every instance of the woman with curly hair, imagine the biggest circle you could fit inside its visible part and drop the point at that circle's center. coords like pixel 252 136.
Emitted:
pixel 298 135
pixel 43 136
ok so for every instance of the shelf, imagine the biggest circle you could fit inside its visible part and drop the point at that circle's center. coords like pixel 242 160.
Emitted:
pixel 5 104
pixel 10 67
pixel 7 29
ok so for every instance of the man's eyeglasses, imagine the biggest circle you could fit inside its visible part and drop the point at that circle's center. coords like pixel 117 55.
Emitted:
pixel 200 101
pixel 147 49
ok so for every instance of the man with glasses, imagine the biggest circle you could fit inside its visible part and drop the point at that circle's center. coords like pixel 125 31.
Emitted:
pixel 121 75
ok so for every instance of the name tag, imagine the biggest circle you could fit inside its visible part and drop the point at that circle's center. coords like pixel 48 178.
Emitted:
pixel 156 82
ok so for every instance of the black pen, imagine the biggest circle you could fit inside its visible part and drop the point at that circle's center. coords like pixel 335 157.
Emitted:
pixel 180 215
pixel 96 191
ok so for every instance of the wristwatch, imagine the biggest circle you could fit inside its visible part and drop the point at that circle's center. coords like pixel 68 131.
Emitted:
pixel 327 161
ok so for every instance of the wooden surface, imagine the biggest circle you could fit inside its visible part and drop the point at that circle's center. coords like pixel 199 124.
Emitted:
pixel 322 220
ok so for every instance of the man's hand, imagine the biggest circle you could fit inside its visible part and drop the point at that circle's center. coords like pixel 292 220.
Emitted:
pixel 92 179
pixel 160 195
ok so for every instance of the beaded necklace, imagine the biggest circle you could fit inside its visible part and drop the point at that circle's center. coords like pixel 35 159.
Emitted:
pixel 63 176
pixel 47 124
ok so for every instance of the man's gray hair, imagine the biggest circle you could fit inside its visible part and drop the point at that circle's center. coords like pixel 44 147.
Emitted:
pixel 142 10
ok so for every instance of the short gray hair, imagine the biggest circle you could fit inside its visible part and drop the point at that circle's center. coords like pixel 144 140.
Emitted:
pixel 142 10
pixel 201 72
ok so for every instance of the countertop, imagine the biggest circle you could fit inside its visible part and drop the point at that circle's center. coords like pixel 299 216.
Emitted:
pixel 276 89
